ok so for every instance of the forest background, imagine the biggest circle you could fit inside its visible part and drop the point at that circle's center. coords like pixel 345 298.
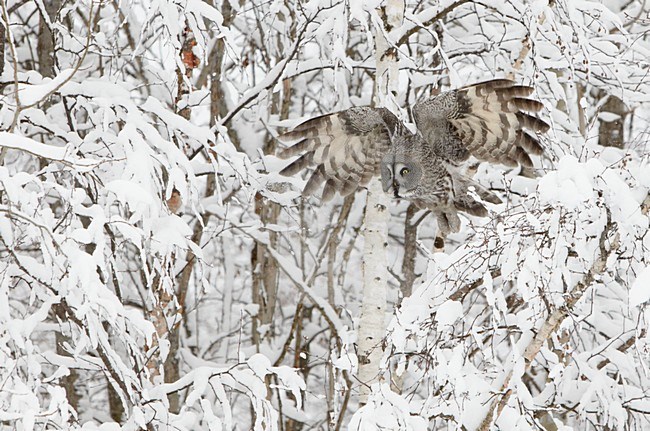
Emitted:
pixel 156 272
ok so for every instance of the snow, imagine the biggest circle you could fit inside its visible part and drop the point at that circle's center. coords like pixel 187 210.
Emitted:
pixel 570 185
pixel 640 290
pixel 30 94
pixel 169 233
pixel 448 313
pixel 60 154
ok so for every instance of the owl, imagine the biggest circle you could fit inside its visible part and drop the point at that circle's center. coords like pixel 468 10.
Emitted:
pixel 489 122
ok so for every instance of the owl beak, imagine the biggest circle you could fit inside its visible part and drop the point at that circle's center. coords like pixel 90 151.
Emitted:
pixel 396 189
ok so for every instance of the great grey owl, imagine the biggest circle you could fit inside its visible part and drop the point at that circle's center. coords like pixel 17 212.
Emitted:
pixel 485 120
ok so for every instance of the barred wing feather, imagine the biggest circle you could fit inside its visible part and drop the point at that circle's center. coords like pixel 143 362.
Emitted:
pixel 490 121
pixel 345 147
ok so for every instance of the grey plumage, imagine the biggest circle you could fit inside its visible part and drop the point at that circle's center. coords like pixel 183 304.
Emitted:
pixel 489 121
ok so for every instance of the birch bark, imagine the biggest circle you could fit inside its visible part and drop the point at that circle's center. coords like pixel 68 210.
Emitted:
pixel 372 324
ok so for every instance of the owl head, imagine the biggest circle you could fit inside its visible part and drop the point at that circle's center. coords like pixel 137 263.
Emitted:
pixel 401 169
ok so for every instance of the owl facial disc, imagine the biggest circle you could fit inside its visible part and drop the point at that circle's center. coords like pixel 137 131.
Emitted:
pixel 399 175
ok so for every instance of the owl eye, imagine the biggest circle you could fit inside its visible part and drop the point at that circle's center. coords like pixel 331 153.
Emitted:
pixel 404 171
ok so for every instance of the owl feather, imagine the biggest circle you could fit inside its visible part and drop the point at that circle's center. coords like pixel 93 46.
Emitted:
pixel 345 147
pixel 490 121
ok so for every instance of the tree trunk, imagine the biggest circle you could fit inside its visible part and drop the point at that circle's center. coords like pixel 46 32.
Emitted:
pixel 612 120
pixel 46 68
pixel 410 250
pixel 46 39
pixel 373 308
pixel 265 268
pixel 2 48
pixel 67 382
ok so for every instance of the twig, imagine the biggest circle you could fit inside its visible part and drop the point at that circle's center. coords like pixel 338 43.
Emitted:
pixel 440 15
pixel 553 321
pixel 294 50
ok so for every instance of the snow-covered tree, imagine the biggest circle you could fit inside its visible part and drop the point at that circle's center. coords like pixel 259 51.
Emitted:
pixel 157 272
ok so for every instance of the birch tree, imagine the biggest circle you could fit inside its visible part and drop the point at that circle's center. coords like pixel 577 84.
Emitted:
pixel 375 223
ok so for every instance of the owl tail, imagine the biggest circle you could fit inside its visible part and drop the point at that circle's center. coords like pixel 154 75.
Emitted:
pixel 448 222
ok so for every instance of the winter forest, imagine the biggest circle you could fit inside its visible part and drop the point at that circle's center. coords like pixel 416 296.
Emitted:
pixel 157 272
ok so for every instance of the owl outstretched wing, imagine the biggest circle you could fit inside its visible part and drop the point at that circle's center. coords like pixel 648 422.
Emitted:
pixel 346 147
pixel 490 121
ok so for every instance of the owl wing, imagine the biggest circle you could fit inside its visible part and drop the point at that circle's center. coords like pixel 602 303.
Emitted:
pixel 489 121
pixel 346 147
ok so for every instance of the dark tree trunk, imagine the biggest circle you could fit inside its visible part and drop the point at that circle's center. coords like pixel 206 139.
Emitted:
pixel 610 133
